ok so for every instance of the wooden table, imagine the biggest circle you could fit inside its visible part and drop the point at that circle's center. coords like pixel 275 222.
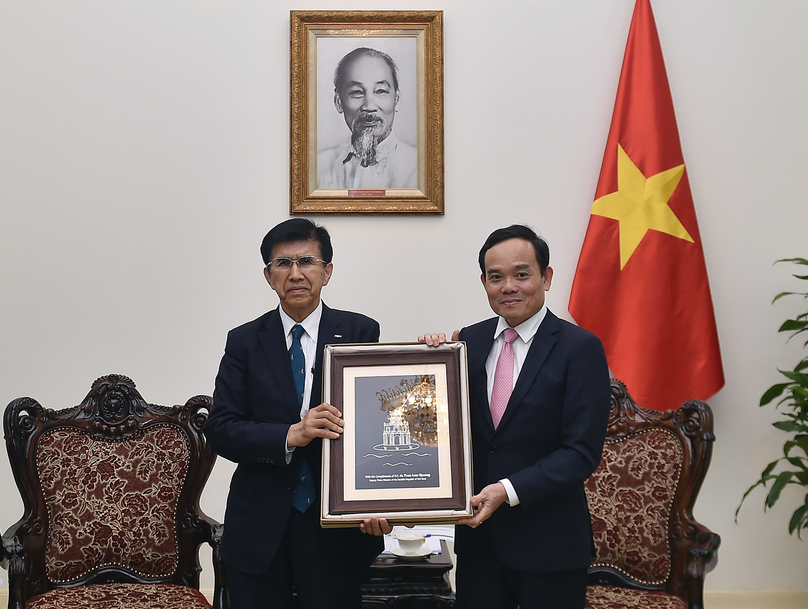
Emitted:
pixel 396 583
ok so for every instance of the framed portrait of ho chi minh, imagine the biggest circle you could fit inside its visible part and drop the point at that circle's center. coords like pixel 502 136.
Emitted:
pixel 405 452
pixel 366 112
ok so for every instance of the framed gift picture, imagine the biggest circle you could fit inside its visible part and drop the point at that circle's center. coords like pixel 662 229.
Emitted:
pixel 366 112
pixel 405 453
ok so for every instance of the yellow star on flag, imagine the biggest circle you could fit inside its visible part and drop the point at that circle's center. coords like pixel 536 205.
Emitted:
pixel 641 204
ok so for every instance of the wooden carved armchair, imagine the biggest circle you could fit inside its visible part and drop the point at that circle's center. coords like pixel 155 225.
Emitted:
pixel 111 503
pixel 651 552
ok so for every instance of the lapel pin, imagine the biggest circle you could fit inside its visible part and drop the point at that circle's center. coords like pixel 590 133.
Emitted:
pixel 337 335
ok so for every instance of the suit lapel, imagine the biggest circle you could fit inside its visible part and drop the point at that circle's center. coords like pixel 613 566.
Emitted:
pixel 328 334
pixel 540 348
pixel 274 344
pixel 477 358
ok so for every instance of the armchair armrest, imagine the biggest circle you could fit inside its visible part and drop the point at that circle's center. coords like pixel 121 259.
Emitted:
pixel 13 561
pixel 701 559
pixel 215 530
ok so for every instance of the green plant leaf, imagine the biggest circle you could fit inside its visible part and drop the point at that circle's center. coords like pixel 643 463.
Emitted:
pixel 799 520
pixel 797 462
pixel 761 482
pixel 794 260
pixel 772 392
pixel 798 377
pixel 802 443
pixel 801 391
pixel 786 399
pixel 766 475
pixel 790 445
pixel 779 484
pixel 790 426
pixel 782 294
pixel 790 325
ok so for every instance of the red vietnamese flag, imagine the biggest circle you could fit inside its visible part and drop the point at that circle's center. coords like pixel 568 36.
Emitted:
pixel 641 283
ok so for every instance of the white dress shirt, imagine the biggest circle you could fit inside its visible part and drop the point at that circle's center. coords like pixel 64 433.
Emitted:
pixel 396 167
pixel 527 331
pixel 308 343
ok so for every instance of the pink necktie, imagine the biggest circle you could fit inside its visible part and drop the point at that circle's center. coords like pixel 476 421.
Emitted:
pixel 503 378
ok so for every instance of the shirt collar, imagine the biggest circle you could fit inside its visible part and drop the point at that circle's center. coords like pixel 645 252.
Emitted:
pixel 527 329
pixel 311 324
pixel 383 149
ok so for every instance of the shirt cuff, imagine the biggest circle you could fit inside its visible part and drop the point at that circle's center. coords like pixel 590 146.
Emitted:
pixel 288 451
pixel 513 498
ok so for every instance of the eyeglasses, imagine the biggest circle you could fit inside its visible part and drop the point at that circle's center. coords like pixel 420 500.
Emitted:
pixel 304 263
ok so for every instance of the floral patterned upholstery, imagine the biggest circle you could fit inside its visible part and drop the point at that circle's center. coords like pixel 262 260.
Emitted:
pixel 111 502
pixel 651 552
pixel 611 597
pixel 630 497
pixel 121 596
pixel 111 491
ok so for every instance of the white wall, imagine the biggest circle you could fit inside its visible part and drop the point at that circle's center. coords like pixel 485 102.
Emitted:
pixel 144 154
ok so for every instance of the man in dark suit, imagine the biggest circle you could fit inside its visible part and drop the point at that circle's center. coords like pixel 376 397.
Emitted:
pixel 267 418
pixel 539 400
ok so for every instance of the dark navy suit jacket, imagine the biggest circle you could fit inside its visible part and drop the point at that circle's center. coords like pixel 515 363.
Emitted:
pixel 254 404
pixel 548 443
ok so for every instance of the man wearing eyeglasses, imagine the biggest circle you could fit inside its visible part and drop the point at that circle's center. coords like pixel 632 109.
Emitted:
pixel 267 418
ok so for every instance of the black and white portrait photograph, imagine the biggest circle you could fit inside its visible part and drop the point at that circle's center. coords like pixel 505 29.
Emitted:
pixel 367 113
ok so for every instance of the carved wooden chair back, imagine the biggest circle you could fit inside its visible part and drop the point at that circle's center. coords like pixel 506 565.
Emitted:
pixel 111 493
pixel 651 552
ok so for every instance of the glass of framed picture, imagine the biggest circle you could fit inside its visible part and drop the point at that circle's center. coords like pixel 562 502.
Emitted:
pixel 405 454
pixel 366 112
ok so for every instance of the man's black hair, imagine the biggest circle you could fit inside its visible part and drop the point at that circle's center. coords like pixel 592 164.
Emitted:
pixel 518 231
pixel 297 229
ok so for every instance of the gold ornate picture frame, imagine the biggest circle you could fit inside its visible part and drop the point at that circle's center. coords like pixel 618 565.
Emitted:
pixel 405 453
pixel 353 151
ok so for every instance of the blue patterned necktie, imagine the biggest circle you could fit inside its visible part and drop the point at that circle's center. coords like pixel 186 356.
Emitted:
pixel 305 493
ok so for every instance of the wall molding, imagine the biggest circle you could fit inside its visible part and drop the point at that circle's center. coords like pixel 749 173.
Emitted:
pixel 756 599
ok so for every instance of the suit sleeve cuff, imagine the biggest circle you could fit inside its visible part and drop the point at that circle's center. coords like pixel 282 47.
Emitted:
pixel 513 498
